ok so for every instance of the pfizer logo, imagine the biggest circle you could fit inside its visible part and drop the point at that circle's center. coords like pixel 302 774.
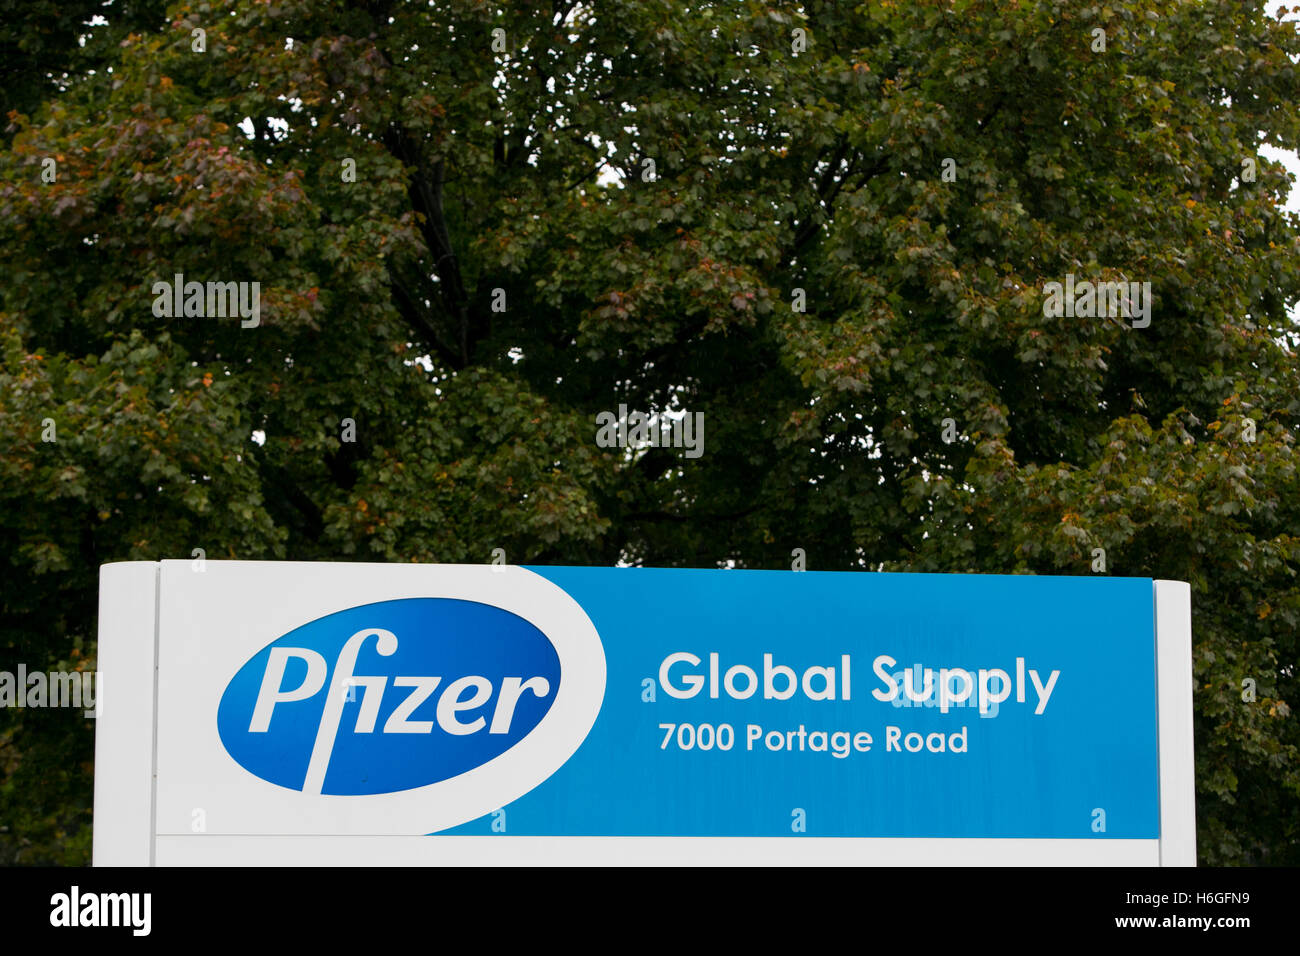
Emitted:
pixel 391 697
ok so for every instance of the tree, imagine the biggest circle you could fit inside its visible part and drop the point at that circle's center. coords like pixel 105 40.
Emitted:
pixel 827 227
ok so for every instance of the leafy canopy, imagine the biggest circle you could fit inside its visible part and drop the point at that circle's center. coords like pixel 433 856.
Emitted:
pixel 525 173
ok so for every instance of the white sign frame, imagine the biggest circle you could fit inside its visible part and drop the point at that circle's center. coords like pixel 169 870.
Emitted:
pixel 126 813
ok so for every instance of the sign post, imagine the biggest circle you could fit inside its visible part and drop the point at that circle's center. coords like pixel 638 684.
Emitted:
pixel 351 714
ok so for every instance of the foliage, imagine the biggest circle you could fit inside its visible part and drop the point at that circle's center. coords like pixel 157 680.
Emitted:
pixel 774 171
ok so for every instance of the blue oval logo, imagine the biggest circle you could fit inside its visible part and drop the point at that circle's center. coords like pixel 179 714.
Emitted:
pixel 389 697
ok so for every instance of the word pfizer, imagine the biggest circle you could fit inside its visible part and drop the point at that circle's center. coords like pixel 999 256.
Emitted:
pixel 389 697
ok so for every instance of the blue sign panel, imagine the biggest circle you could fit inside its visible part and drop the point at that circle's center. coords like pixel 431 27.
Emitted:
pixel 758 703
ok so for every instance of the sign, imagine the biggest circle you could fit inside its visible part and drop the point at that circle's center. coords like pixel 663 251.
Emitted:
pixel 283 712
